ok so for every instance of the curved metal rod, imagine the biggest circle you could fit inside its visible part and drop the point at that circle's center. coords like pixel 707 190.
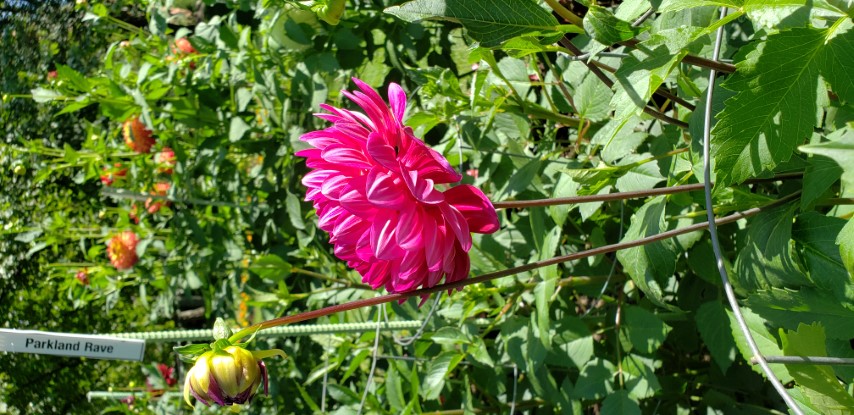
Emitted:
pixel 713 231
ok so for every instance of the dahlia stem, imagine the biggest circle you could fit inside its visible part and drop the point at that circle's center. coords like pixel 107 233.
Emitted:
pixel 516 204
pixel 565 13
pixel 382 299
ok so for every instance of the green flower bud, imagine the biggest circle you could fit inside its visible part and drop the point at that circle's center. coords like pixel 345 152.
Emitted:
pixel 330 11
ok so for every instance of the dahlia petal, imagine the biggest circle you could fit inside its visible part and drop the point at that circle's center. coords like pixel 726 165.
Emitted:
pixel 348 156
pixel 475 208
pixel 409 229
pixel 356 202
pixel 457 223
pixel 428 162
pixel 397 101
pixel 383 237
pixel 364 250
pixel 381 152
pixel 422 189
pixel 381 190
pixel 461 267
pixel 375 114
pixel 432 249
pixel 369 93
pixel 264 377
pixel 433 278
pixel 215 392
pixel 334 186
pixel 378 274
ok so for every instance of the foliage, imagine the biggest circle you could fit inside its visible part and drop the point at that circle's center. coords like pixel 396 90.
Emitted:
pixel 496 90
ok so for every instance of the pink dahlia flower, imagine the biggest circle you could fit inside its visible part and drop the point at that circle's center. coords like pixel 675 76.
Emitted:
pixel 373 185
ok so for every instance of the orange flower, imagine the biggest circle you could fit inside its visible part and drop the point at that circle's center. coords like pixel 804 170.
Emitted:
pixel 160 189
pixel 165 160
pixel 112 174
pixel 121 249
pixel 183 46
pixel 137 136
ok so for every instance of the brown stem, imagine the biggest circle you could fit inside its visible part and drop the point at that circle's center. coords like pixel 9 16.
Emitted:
pixel 515 204
pixel 382 299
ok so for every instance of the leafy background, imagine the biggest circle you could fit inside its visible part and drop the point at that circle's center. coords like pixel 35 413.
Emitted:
pixel 494 88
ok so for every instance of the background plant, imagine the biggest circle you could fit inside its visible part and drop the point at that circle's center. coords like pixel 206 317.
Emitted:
pixel 496 88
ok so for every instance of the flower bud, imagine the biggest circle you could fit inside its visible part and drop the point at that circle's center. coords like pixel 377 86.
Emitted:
pixel 229 376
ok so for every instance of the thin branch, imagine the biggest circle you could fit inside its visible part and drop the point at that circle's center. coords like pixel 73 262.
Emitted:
pixel 458 285
pixel 806 360
pixel 514 204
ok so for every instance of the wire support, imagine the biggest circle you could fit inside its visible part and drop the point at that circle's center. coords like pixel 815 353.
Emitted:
pixel 713 231
pixel 807 360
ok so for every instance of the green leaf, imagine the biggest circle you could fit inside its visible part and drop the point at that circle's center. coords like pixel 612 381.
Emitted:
pixel 595 380
pixel 394 389
pixel 845 240
pixel 819 383
pixel 820 174
pixel 573 342
pixel 619 403
pixel 604 27
pixel 42 95
pixel 771 13
pixel 271 266
pixel 439 369
pixel 816 234
pixel 639 376
pixel 764 259
pixel 639 76
pixel 490 22
pixel 788 308
pixel 592 98
pixel 765 341
pixel 237 129
pixel 294 211
pixel 838 63
pixel 717 338
pixel 74 78
pixel 676 5
pixel 841 151
pixel 652 264
pixel 778 89
pixel 643 329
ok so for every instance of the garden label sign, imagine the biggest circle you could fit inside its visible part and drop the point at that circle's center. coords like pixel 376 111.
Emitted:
pixel 68 344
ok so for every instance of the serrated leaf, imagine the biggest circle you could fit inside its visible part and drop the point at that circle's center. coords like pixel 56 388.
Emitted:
pixel 619 403
pixel 605 28
pixel 775 105
pixel 820 174
pixel 788 308
pixel 643 329
pixel 764 259
pixel 816 234
pixel 652 264
pixel 638 78
pixel 717 338
pixel 676 5
pixel 592 98
pixel 765 341
pixel 771 13
pixel 490 22
pixel 819 383
pixel 434 380
pixel 841 151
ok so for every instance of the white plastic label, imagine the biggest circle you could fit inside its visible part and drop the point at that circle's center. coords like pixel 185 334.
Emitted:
pixel 68 344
